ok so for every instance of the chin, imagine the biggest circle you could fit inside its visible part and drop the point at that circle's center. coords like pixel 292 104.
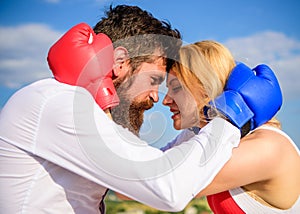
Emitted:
pixel 177 126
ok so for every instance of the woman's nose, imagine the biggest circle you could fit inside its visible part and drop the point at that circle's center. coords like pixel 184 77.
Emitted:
pixel 167 100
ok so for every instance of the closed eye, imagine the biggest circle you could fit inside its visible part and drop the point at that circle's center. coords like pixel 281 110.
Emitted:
pixel 176 89
pixel 156 80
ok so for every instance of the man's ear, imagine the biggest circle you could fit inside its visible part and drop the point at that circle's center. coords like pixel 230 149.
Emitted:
pixel 120 67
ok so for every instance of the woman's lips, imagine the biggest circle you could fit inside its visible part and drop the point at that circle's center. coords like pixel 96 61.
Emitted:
pixel 176 114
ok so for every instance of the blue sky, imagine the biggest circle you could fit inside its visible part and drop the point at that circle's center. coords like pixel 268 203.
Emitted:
pixel 255 31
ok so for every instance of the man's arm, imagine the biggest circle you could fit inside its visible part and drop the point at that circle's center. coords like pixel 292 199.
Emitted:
pixel 88 143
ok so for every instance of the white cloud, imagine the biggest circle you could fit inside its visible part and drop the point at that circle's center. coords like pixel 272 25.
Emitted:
pixel 24 48
pixel 23 52
pixel 279 51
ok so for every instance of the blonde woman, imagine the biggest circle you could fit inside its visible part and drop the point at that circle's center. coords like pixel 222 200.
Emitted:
pixel 263 174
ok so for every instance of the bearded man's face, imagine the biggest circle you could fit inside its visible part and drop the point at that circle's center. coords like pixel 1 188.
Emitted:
pixel 137 94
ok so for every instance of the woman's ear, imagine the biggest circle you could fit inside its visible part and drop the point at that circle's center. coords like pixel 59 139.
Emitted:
pixel 120 66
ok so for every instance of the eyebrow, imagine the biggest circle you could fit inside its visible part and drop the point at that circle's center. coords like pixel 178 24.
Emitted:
pixel 171 81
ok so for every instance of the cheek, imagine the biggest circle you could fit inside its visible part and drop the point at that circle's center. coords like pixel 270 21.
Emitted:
pixel 139 89
pixel 187 104
pixel 189 113
pixel 180 100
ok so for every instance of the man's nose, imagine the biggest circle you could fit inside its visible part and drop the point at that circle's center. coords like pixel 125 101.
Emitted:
pixel 154 95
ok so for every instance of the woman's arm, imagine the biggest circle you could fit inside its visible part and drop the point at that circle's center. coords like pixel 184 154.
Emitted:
pixel 258 158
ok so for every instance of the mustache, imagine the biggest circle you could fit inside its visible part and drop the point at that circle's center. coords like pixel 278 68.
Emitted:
pixel 144 105
pixel 131 114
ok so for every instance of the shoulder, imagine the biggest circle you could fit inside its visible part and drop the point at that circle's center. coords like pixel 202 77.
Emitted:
pixel 279 164
pixel 272 147
pixel 272 138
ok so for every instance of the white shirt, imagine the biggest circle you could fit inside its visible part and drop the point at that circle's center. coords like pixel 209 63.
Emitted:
pixel 60 153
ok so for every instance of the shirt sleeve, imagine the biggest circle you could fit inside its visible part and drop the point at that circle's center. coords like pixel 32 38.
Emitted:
pixel 73 132
pixel 181 137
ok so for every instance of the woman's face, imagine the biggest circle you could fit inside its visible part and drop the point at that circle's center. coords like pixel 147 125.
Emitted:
pixel 181 103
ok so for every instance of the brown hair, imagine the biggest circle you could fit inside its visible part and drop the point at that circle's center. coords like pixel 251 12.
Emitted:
pixel 141 34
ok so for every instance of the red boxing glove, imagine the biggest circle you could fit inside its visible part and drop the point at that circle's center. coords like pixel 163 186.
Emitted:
pixel 82 58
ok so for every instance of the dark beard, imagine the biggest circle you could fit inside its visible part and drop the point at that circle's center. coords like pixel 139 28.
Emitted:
pixel 130 114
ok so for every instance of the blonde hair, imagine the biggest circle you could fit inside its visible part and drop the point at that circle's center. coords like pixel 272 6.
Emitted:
pixel 204 68
pixel 274 122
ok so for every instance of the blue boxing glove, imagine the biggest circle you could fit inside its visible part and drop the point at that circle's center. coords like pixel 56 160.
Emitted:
pixel 250 97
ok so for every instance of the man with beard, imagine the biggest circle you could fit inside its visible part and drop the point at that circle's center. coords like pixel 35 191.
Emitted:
pixel 135 97
pixel 146 46
pixel 60 153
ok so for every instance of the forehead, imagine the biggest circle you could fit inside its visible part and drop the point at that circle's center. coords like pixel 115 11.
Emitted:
pixel 157 67
pixel 171 77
